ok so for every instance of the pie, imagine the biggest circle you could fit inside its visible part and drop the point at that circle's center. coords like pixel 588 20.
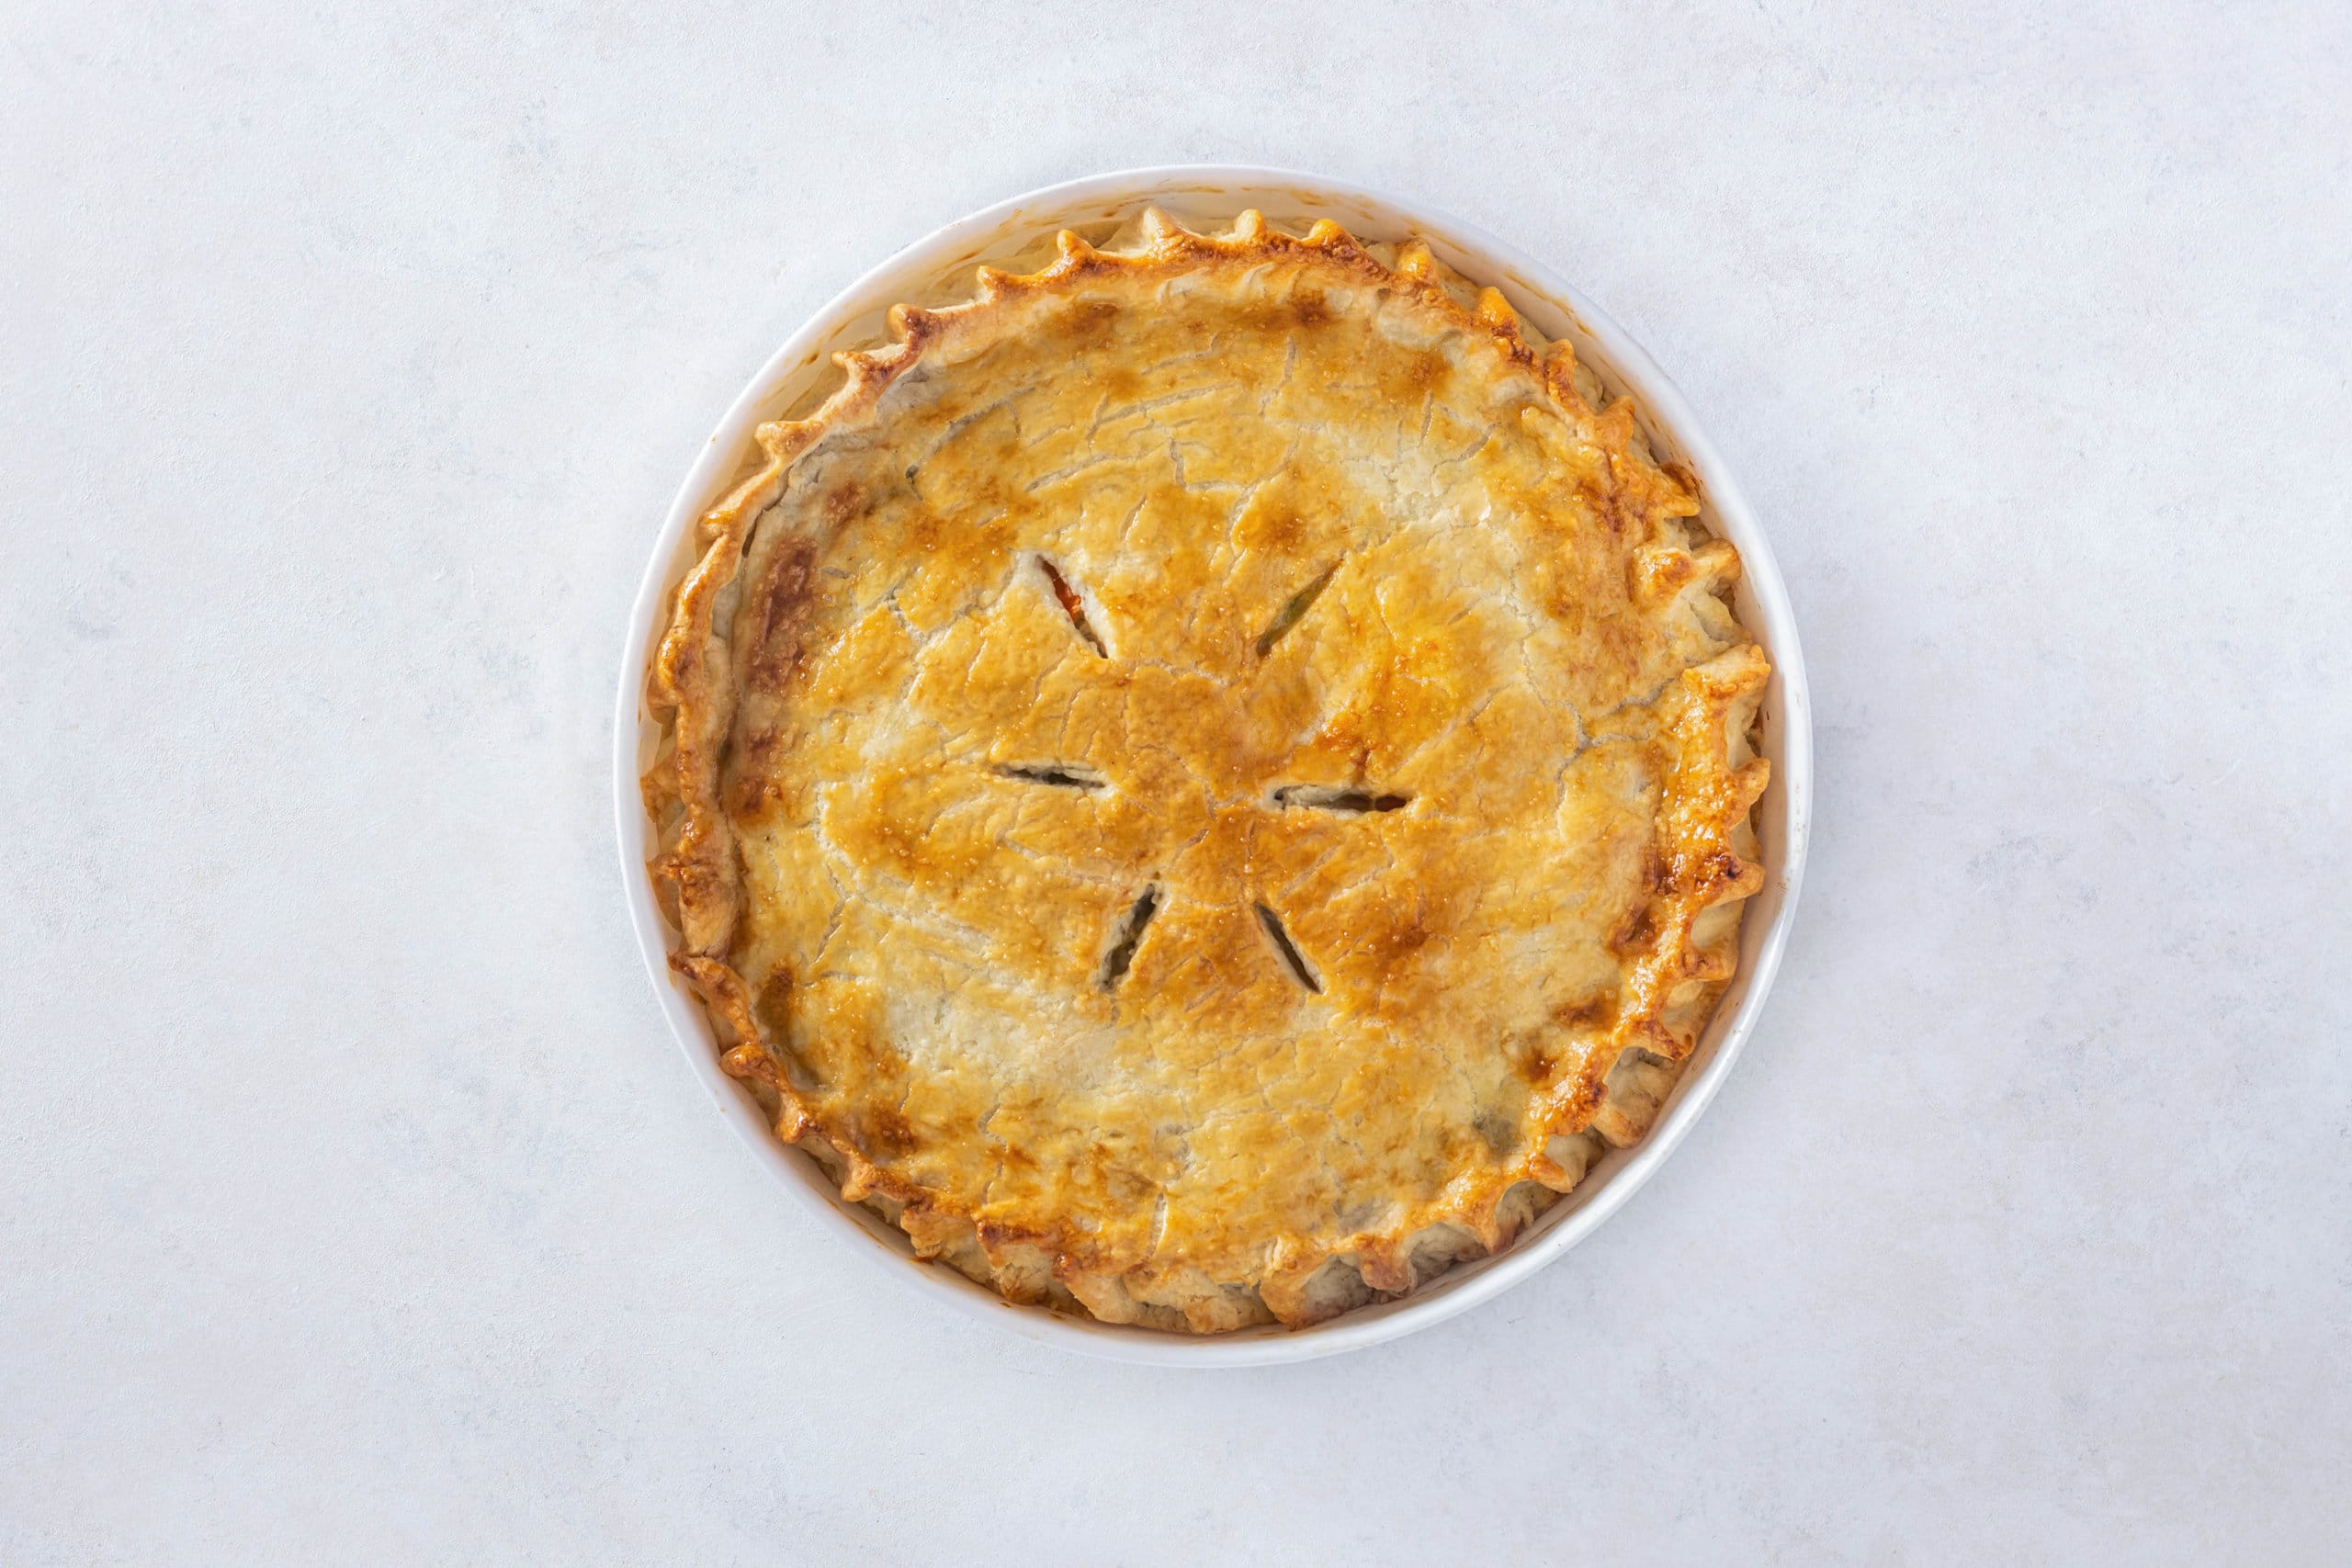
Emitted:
pixel 1209 782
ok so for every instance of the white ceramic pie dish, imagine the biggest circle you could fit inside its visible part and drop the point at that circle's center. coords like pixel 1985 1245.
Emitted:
pixel 937 269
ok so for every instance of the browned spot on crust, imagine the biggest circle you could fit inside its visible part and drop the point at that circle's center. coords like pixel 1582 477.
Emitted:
pixel 756 789
pixel 1607 504
pixel 773 1007
pixel 1391 945
pixel 1305 310
pixel 844 505
pixel 1712 873
pixel 1279 531
pixel 884 1134
pixel 1585 1014
pixel 1573 1102
pixel 1637 932
pixel 1408 379
pixel 787 603
pixel 1089 321
pixel 1667 572
pixel 1535 1061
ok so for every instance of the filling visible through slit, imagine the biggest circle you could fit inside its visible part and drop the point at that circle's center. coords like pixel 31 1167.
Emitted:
pixel 1294 611
pixel 1320 798
pixel 1289 950
pixel 1053 773
pixel 1123 950
pixel 1072 606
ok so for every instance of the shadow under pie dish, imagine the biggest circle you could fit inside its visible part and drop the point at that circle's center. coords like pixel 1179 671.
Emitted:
pixel 1210 781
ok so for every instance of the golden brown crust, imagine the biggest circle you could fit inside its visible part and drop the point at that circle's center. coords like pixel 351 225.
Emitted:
pixel 1208 781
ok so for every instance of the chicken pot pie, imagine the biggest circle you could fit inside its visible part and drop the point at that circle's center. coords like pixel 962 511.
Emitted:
pixel 1209 782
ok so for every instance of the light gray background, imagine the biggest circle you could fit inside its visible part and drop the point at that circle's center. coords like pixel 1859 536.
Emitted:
pixel 356 1205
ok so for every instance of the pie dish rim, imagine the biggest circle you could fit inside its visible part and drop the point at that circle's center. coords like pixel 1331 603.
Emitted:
pixel 1200 195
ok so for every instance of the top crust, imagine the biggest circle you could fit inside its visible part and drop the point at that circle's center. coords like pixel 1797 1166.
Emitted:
pixel 1209 780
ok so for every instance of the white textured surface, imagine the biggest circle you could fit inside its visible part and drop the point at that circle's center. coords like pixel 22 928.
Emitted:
pixel 356 1207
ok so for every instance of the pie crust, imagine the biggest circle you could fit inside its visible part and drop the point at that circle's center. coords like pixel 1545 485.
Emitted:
pixel 1208 782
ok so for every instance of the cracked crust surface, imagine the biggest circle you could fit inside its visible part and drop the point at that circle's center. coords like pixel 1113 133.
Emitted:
pixel 1209 782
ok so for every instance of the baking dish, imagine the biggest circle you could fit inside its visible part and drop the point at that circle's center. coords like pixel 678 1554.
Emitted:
pixel 937 269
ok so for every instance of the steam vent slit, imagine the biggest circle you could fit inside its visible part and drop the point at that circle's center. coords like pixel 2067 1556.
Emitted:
pixel 1289 950
pixel 1316 799
pixel 1053 773
pixel 1294 611
pixel 1131 929
pixel 1072 606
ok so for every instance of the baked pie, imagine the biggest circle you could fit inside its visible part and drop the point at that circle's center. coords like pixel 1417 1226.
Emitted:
pixel 1211 781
